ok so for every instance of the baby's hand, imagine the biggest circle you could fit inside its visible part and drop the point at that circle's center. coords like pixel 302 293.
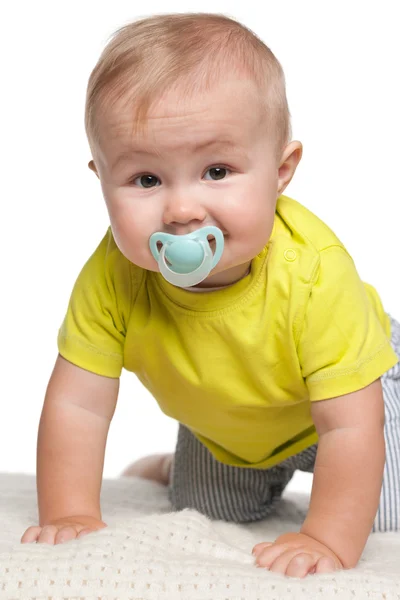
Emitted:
pixel 62 530
pixel 296 555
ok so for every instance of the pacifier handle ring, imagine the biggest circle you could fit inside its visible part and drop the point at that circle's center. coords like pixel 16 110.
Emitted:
pixel 184 276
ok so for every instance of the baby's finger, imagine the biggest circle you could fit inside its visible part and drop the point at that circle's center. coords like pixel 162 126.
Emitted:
pixel 258 547
pixel 47 534
pixel 281 562
pixel 300 565
pixel 325 565
pixel 268 555
pixel 31 535
pixel 84 532
pixel 65 534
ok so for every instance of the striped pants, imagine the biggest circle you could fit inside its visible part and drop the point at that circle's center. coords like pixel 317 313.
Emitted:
pixel 241 495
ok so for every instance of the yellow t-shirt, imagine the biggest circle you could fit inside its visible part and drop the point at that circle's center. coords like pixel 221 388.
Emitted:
pixel 239 366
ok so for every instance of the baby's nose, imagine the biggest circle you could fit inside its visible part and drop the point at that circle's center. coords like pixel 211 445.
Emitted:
pixel 183 210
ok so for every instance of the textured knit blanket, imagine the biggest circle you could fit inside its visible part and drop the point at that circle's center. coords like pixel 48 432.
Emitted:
pixel 149 553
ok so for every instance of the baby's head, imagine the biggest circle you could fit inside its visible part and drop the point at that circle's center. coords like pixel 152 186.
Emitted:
pixel 188 124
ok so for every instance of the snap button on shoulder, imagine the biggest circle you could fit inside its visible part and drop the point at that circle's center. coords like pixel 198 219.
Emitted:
pixel 290 255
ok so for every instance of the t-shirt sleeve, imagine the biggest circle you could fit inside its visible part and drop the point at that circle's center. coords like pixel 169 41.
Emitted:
pixel 92 335
pixel 343 345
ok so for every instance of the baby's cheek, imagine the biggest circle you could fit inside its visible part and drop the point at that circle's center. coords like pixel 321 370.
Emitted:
pixel 124 231
pixel 132 239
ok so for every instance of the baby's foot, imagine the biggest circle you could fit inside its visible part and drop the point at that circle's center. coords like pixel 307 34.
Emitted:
pixel 155 467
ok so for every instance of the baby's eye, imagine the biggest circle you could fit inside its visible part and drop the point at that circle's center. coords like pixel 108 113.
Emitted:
pixel 147 181
pixel 217 173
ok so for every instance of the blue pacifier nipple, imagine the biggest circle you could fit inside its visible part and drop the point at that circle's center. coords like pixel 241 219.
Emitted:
pixel 190 255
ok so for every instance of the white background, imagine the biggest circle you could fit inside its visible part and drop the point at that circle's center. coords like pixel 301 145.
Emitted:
pixel 341 61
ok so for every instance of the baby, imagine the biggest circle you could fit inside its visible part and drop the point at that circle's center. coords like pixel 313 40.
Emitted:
pixel 236 307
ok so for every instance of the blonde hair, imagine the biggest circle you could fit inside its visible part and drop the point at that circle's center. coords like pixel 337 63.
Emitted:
pixel 192 52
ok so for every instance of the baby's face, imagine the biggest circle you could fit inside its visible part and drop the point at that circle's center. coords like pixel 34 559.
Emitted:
pixel 207 162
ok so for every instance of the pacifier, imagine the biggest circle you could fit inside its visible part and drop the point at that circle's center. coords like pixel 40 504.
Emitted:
pixel 189 256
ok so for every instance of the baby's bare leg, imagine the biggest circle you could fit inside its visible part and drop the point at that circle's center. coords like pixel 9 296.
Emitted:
pixel 155 467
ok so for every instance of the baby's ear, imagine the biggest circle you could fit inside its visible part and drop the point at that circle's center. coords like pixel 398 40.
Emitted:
pixel 92 167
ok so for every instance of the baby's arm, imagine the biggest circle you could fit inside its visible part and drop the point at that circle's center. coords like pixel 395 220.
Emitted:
pixel 72 437
pixel 348 471
pixel 346 488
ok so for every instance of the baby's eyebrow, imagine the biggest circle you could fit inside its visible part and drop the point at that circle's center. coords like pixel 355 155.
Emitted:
pixel 222 144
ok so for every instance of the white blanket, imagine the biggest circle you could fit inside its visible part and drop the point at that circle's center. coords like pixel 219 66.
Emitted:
pixel 149 553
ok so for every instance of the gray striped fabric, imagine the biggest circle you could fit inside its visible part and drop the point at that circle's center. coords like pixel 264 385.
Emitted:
pixel 241 495
pixel 388 515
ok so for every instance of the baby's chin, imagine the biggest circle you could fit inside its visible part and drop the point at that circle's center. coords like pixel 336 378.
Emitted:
pixel 225 277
